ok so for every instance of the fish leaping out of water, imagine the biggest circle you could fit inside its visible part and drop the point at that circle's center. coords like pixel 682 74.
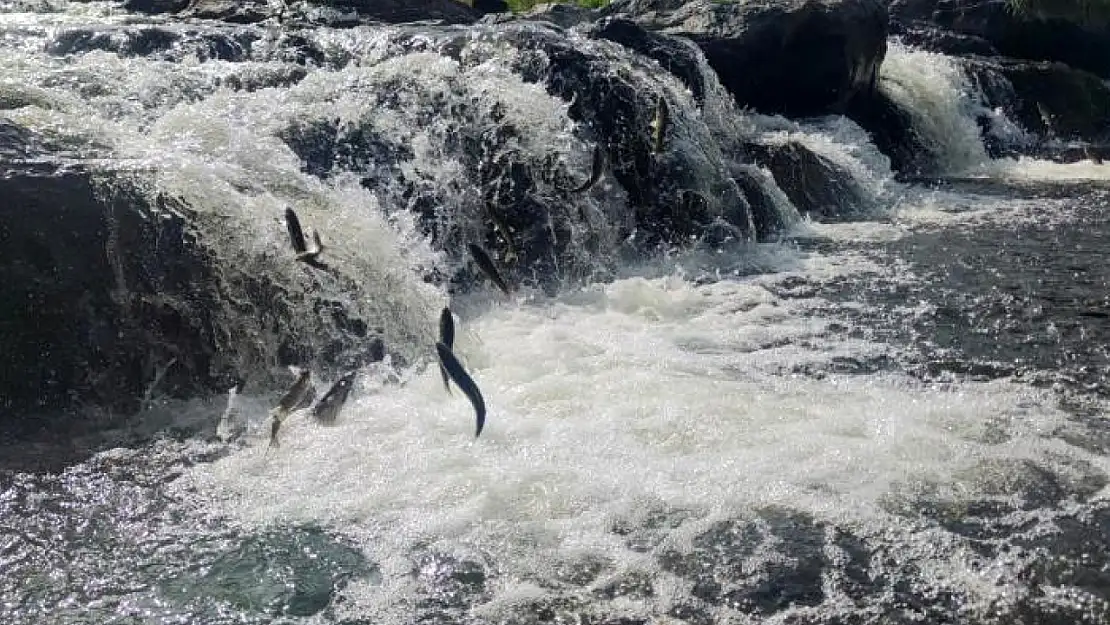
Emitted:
pixel 447 337
pixel 304 254
pixel 327 409
pixel 288 402
pixel 460 377
pixel 485 263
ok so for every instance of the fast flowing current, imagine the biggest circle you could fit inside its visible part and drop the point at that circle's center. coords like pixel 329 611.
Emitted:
pixel 893 419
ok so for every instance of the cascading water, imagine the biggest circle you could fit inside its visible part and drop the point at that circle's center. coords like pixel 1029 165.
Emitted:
pixel 777 432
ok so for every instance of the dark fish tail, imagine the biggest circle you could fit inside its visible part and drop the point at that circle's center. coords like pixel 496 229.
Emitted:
pixel 459 375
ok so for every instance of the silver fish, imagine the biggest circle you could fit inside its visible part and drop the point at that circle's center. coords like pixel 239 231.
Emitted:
pixel 487 266
pixel 455 369
pixel 300 246
pixel 597 169
pixel 447 337
pixel 659 125
pixel 295 394
pixel 327 409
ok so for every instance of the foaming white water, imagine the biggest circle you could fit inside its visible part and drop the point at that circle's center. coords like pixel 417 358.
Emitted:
pixel 1026 168
pixel 617 400
pixel 934 89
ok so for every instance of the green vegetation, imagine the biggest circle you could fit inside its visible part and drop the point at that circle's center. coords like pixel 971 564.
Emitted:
pixel 1086 12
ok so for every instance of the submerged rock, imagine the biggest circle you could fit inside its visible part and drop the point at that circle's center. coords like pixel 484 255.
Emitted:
pixel 794 57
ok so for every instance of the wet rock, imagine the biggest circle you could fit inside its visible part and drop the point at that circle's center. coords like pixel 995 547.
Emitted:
pixel 490 6
pixel 170 43
pixel 793 57
pixel 943 41
pixel 403 11
pixel 1062 38
pixel 1055 100
pixel 683 193
pixel 102 291
pixel 892 130
pixel 385 11
pixel 677 56
pixel 566 15
pixel 814 184
pixel 618 110
pixel 124 41
pixel 155 6
pixel 233 11
pixel 756 185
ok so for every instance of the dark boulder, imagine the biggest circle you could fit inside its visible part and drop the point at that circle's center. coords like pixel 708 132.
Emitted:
pixel 684 192
pixel 933 39
pixel 233 11
pixel 490 6
pixel 758 186
pixel 1050 100
pixel 1059 38
pixel 103 290
pixel 676 194
pixel 794 57
pixel 170 42
pixel 891 128
pixel 814 184
pixel 156 6
pixel 1058 101
pixel 677 56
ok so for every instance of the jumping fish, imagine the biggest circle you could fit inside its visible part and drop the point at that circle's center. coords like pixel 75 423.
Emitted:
pixel 293 398
pixel 487 266
pixel 596 170
pixel 295 394
pixel 296 235
pixel 659 125
pixel 459 376
pixel 327 409
pixel 447 337
pixel 300 246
